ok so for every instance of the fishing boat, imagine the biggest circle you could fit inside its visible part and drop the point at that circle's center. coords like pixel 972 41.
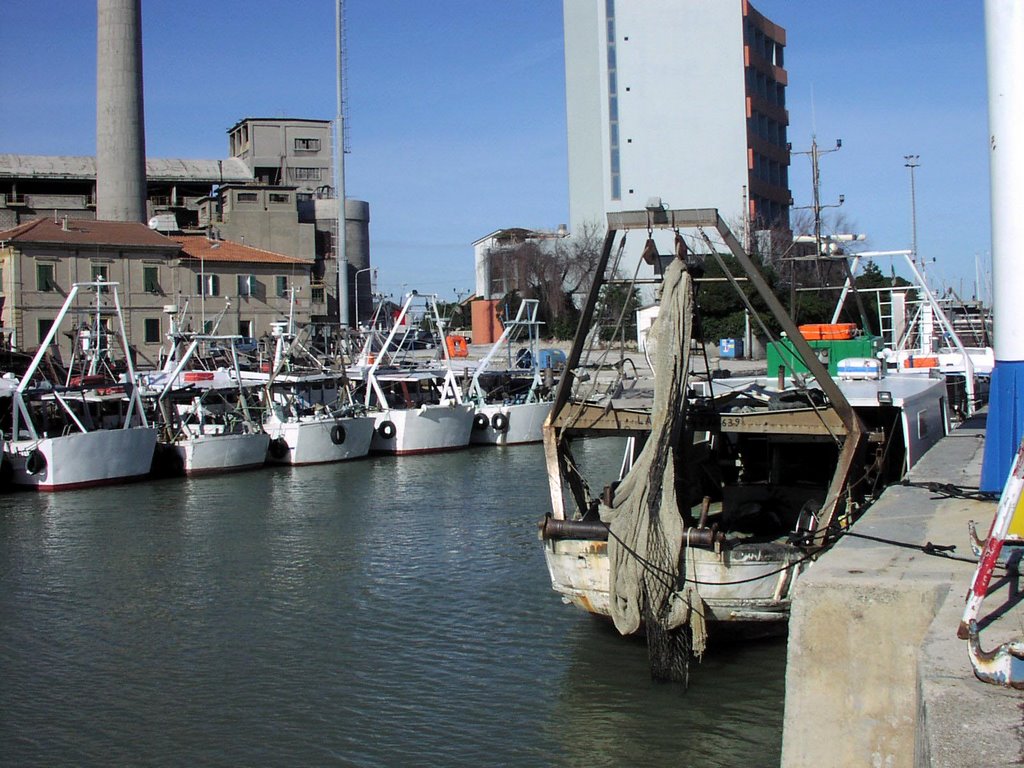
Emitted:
pixel 727 488
pixel 919 334
pixel 88 429
pixel 418 404
pixel 310 414
pixel 207 426
pixel 513 401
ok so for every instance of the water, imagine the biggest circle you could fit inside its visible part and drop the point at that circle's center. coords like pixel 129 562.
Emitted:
pixel 386 612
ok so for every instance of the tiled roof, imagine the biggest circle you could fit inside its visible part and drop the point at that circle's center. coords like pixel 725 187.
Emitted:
pixel 201 247
pixel 88 232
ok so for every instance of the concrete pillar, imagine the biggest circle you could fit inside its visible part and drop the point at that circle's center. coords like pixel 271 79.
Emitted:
pixel 120 122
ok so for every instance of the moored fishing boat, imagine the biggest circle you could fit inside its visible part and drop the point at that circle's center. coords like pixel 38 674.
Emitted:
pixel 418 407
pixel 207 425
pixel 310 415
pixel 513 402
pixel 87 430
pixel 728 488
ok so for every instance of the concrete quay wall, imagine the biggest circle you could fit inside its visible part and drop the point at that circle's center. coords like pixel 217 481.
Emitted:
pixel 876 675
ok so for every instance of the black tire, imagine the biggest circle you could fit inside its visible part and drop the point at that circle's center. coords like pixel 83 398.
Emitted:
pixel 36 462
pixel 480 421
pixel 278 448
pixel 338 434
pixel 387 430
pixel 500 422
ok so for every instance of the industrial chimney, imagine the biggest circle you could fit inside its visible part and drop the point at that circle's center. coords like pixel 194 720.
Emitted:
pixel 120 123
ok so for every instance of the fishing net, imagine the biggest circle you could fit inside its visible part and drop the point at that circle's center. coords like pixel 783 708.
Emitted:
pixel 645 545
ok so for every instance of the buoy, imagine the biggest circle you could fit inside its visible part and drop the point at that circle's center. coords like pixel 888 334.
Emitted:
pixel 500 422
pixel 387 430
pixel 338 433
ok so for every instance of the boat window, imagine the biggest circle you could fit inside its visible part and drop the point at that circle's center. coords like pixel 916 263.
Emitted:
pixel 922 423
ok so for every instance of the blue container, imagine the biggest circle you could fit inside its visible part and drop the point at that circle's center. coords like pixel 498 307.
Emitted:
pixel 551 358
pixel 730 348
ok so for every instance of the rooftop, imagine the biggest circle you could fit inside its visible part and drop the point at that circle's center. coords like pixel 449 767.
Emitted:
pixel 200 247
pixel 88 232
pixel 157 169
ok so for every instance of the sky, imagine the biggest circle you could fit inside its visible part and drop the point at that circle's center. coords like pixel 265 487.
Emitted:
pixel 456 111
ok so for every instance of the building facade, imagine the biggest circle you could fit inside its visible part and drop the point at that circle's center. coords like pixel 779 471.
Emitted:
pixel 241 288
pixel 274 192
pixel 682 101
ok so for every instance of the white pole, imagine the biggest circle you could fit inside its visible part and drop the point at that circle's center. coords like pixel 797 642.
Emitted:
pixel 1005 33
pixel 339 172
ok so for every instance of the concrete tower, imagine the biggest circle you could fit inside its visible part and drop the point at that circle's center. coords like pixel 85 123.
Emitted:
pixel 120 124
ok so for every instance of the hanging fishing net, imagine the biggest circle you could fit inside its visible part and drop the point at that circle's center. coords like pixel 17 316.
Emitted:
pixel 645 545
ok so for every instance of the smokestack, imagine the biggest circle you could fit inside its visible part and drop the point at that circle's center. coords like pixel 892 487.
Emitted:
pixel 120 122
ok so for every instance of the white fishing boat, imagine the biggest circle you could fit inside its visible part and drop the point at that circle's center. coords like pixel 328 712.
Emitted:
pixel 418 406
pixel 310 415
pixel 207 424
pixel 727 488
pixel 919 336
pixel 88 430
pixel 512 401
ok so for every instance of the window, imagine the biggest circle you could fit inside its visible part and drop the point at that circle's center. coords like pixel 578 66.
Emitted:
pixel 152 330
pixel 151 279
pixel 99 273
pixel 316 294
pixel 248 197
pixel 307 145
pixel 43 325
pixel 247 285
pixel 245 328
pixel 277 197
pixel 44 279
pixel 282 285
pixel 212 285
pixel 306 174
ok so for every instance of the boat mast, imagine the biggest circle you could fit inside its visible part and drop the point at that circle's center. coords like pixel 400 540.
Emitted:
pixel 339 169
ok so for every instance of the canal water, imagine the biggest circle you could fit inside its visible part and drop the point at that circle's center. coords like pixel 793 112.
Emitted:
pixel 386 612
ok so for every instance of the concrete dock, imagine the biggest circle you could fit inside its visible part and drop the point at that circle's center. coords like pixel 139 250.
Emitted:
pixel 876 675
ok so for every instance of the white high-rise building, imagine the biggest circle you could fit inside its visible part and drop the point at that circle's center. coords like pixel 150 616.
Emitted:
pixel 682 100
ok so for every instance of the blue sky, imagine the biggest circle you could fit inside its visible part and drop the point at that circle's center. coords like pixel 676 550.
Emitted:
pixel 457 110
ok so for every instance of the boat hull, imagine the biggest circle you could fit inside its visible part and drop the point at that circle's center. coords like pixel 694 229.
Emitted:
pixel 428 429
pixel 211 454
pixel 750 583
pixel 518 424
pixel 316 441
pixel 82 459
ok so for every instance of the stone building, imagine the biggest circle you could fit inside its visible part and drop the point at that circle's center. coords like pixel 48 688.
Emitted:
pixel 244 288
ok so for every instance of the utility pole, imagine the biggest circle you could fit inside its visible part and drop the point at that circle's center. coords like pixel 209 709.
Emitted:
pixel 912 163
pixel 815 154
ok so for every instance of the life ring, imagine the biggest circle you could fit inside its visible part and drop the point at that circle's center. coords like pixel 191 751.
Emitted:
pixel 500 422
pixel 480 421
pixel 278 448
pixel 338 433
pixel 387 430
pixel 36 462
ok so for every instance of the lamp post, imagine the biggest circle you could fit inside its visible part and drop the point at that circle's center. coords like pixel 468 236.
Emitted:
pixel 356 278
